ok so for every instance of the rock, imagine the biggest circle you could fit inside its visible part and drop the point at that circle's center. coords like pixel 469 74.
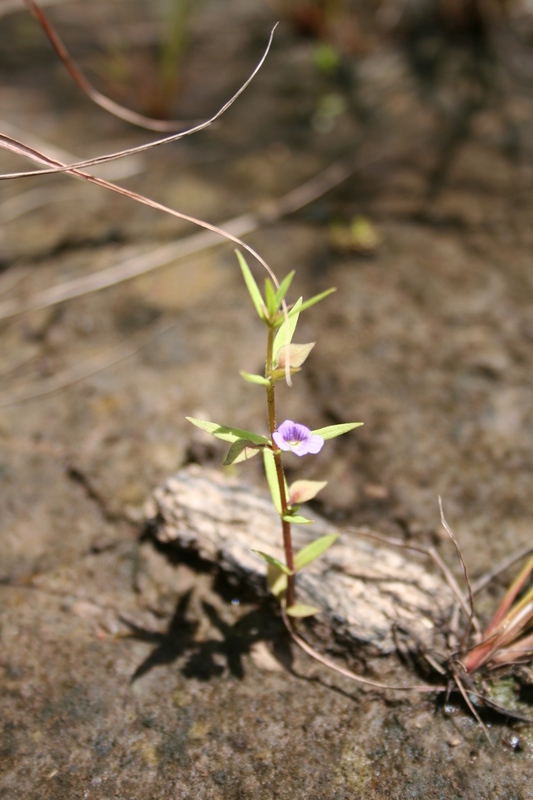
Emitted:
pixel 366 591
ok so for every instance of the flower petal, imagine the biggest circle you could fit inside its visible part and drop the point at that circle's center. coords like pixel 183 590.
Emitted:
pixel 315 443
pixel 280 441
pixel 297 438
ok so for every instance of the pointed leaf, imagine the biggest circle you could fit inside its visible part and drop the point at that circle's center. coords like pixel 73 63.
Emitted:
pixel 297 519
pixel 270 298
pixel 284 287
pixel 251 378
pixel 313 550
pixel 280 374
pixel 272 479
pixel 252 287
pixel 303 491
pixel 331 431
pixel 274 562
pixel 247 454
pixel 286 332
pixel 241 450
pixel 226 433
pixel 276 581
pixel 296 353
pixel 302 610
pixel 313 300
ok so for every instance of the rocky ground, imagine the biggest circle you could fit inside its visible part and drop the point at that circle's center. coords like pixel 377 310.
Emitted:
pixel 134 671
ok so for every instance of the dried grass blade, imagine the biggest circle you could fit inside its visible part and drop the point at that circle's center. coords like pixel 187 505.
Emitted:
pixel 472 708
pixel 326 662
pixel 143 263
pixel 489 576
pixel 97 97
pixel 471 615
pixel 93 162
pixel 510 597
pixel 512 626
pixel 21 149
pixel 520 651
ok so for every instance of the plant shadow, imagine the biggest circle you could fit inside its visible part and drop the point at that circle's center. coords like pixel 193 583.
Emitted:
pixel 208 658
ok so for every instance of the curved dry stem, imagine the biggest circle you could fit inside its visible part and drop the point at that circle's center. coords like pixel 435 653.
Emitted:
pixel 18 147
pixel 471 706
pixel 110 105
pixel 426 551
pixel 471 616
pixel 326 662
pixel 484 580
pixel 147 262
pixel 92 162
pixel 21 149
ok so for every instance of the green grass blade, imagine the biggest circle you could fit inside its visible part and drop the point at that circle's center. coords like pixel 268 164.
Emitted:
pixel 298 519
pixel 241 450
pixel 313 300
pixel 272 479
pixel 313 551
pixel 251 378
pixel 270 299
pixel 276 581
pixel 252 287
pixel 284 287
pixel 302 610
pixel 274 562
pixel 227 433
pixel 331 431
pixel 286 332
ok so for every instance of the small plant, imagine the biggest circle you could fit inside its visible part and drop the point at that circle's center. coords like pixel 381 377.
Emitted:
pixel 481 663
pixel 506 642
pixel 283 359
pixel 504 645
pixel 503 642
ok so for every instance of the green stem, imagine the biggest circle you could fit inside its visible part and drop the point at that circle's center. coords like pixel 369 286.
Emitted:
pixel 285 526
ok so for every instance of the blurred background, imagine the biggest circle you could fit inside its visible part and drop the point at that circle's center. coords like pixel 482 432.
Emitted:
pixel 426 109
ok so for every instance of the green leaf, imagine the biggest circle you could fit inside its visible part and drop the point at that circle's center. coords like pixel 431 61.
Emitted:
pixel 241 450
pixel 313 300
pixel 252 287
pixel 226 433
pixel 251 378
pixel 296 354
pixel 286 332
pixel 303 491
pixel 280 374
pixel 313 550
pixel 270 297
pixel 331 431
pixel 297 519
pixel 284 287
pixel 302 610
pixel 272 479
pixel 276 581
pixel 274 562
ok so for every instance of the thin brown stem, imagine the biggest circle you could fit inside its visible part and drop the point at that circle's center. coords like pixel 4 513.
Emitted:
pixel 326 662
pixel 471 706
pixel 285 526
pixel 109 105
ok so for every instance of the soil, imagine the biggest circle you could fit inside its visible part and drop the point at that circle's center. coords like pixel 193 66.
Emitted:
pixel 131 670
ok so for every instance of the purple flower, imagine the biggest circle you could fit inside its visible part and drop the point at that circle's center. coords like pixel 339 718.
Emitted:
pixel 293 436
